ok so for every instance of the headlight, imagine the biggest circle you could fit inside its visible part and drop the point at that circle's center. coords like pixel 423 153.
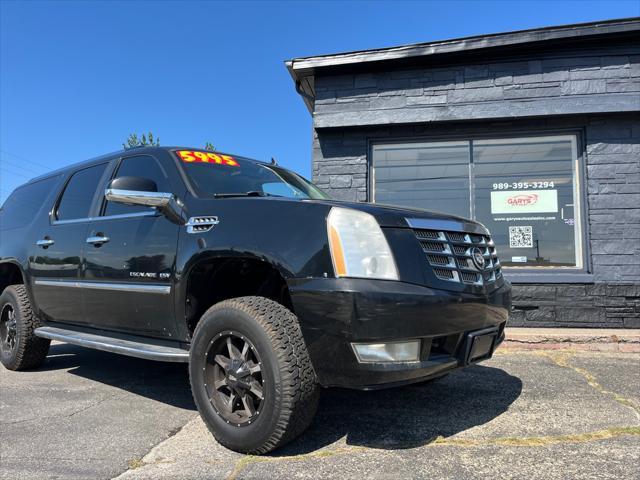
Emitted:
pixel 358 246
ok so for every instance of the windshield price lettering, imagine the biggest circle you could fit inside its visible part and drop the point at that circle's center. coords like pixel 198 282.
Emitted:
pixel 522 185
pixel 191 156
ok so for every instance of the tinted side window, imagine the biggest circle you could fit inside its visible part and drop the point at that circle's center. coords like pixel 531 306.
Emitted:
pixel 140 166
pixel 25 202
pixel 77 196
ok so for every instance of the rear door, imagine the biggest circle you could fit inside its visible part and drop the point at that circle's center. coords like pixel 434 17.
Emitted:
pixel 56 259
pixel 130 259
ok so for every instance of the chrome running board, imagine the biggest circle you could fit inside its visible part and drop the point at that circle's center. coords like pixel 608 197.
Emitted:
pixel 114 345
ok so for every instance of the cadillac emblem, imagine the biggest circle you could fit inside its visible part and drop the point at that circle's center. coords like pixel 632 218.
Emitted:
pixel 477 258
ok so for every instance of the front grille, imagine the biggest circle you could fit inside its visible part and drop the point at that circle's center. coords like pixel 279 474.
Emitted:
pixel 460 249
pixel 451 256
pixel 446 274
pixel 433 247
pixel 469 277
pixel 425 234
pixel 438 259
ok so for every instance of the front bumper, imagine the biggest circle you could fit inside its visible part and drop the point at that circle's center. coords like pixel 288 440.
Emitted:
pixel 334 313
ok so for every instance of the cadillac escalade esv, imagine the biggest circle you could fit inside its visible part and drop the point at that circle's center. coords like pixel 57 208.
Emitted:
pixel 255 277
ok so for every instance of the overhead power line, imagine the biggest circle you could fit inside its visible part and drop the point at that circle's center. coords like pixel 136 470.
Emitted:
pixel 19 157
pixel 19 167
pixel 18 174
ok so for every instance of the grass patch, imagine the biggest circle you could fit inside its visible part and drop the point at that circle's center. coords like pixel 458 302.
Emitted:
pixel 542 440
pixel 135 463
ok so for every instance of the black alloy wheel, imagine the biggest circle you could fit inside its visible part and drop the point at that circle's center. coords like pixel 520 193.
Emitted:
pixel 8 327
pixel 233 376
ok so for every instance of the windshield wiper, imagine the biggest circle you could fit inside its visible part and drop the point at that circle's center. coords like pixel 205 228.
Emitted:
pixel 252 193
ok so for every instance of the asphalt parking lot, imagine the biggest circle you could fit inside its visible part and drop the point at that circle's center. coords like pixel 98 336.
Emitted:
pixel 523 414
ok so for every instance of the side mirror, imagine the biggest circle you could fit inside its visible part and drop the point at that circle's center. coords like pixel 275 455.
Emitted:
pixel 144 192
pixel 136 191
pixel 140 184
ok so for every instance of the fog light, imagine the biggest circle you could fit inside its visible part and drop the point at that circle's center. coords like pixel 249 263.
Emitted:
pixel 387 352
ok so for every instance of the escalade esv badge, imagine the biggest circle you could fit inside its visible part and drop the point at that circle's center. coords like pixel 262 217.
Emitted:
pixel 292 292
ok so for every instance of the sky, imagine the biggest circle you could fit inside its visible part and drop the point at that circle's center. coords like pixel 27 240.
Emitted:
pixel 77 77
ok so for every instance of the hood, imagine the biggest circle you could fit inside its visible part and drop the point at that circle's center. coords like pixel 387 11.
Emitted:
pixel 388 216
pixel 401 217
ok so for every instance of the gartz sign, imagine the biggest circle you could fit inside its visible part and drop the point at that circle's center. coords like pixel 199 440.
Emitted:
pixel 522 201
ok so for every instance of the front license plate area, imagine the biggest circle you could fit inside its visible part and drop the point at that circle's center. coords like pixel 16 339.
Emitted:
pixel 480 345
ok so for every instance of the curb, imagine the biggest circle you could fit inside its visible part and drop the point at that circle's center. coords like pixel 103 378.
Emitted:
pixel 587 339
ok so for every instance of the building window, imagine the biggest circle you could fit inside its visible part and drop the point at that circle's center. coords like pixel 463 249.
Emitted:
pixel 525 190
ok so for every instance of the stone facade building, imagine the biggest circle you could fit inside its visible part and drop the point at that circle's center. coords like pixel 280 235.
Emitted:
pixel 534 133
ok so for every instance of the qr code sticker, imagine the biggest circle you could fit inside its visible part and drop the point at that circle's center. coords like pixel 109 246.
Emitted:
pixel 521 237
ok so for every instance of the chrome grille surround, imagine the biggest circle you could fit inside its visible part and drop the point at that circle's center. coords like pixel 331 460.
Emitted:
pixel 450 255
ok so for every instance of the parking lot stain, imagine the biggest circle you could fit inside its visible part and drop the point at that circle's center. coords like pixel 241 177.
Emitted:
pixel 538 441
pixel 563 359
pixel 541 440
pixel 560 358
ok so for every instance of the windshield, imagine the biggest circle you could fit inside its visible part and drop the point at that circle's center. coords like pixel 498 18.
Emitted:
pixel 222 175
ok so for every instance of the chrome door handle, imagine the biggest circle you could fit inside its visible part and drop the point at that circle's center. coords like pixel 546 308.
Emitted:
pixel 45 242
pixel 97 240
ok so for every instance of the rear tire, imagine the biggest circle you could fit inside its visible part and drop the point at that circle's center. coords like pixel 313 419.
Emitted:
pixel 20 349
pixel 251 375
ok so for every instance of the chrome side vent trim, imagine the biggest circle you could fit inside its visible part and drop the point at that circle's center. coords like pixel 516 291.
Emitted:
pixel 201 224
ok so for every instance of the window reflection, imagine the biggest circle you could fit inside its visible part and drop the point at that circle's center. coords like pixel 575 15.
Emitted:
pixel 524 194
pixel 433 176
pixel 525 191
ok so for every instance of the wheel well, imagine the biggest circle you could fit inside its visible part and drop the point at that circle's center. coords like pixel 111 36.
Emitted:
pixel 10 274
pixel 215 280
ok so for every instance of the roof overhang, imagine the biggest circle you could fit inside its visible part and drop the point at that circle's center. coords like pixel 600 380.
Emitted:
pixel 304 69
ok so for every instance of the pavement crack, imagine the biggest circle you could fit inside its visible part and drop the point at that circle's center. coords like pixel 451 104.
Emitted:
pixel 68 415
pixel 563 359
pixel 92 405
pixel 440 441
pixel 539 441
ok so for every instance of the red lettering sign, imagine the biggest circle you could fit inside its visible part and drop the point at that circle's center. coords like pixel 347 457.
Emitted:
pixel 522 200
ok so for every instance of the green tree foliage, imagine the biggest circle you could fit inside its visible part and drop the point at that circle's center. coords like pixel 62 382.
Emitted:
pixel 144 141
pixel 209 146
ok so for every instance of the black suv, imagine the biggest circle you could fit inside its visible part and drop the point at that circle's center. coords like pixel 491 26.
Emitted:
pixel 252 275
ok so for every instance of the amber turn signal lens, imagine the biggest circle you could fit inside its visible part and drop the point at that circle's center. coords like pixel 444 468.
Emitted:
pixel 338 254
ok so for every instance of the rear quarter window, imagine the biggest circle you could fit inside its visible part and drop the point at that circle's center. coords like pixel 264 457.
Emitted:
pixel 25 202
pixel 78 194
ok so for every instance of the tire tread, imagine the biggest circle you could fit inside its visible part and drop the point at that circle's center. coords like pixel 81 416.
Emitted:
pixel 32 350
pixel 300 392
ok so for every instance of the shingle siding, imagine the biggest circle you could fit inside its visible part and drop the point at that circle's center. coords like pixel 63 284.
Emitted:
pixel 597 96
pixel 573 83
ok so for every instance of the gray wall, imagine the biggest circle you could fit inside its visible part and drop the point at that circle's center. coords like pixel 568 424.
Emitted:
pixel 611 156
pixel 572 82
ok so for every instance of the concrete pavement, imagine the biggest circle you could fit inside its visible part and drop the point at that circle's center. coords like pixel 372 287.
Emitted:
pixel 523 414
pixel 85 413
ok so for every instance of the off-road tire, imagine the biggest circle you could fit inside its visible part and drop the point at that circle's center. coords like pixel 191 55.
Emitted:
pixel 29 351
pixel 291 391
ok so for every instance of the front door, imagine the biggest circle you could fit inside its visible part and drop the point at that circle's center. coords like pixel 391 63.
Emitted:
pixel 130 261
pixel 56 259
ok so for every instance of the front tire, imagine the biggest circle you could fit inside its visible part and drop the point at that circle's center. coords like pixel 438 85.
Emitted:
pixel 251 375
pixel 20 349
